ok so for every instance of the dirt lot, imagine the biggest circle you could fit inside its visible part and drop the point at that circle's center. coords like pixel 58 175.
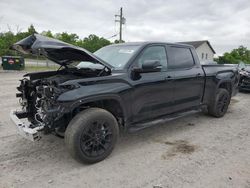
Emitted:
pixel 195 151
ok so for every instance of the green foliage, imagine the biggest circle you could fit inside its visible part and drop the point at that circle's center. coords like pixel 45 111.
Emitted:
pixel 235 56
pixel 9 38
pixel 47 34
pixel 6 40
pixel 31 30
pixel 93 43
pixel 90 43
pixel 69 38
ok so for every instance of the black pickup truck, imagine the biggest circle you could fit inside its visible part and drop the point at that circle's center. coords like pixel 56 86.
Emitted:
pixel 129 86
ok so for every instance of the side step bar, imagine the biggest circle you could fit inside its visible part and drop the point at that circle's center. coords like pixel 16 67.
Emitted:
pixel 140 126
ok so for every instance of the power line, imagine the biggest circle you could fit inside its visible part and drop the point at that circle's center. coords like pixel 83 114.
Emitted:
pixel 112 36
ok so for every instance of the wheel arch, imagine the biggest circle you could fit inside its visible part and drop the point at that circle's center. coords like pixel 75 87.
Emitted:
pixel 225 85
pixel 112 103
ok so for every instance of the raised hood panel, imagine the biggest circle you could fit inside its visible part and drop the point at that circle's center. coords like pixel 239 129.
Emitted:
pixel 55 50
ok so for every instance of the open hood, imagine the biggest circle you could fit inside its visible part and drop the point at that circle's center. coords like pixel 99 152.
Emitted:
pixel 56 50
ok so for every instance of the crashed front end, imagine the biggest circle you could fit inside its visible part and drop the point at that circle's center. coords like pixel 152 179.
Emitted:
pixel 38 92
pixel 41 112
pixel 244 83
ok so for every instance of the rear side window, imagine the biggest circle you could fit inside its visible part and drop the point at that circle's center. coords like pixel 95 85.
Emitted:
pixel 180 58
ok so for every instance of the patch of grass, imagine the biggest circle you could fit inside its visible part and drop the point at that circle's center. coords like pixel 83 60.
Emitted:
pixel 37 68
pixel 40 68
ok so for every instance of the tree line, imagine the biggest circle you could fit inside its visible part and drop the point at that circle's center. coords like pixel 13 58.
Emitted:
pixel 235 56
pixel 91 43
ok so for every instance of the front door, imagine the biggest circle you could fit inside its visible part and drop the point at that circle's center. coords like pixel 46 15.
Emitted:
pixel 152 93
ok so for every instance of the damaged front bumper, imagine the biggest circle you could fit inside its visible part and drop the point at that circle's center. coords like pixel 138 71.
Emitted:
pixel 245 84
pixel 25 129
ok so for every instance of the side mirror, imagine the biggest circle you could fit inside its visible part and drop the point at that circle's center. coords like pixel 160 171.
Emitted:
pixel 147 66
pixel 151 66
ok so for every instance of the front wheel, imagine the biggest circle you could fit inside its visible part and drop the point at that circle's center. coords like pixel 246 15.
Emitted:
pixel 91 135
pixel 219 106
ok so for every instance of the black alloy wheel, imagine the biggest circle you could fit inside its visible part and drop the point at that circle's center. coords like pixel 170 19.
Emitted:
pixel 91 135
pixel 218 107
pixel 222 103
pixel 96 138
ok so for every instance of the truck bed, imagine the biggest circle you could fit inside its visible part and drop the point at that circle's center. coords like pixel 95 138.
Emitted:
pixel 213 75
pixel 211 70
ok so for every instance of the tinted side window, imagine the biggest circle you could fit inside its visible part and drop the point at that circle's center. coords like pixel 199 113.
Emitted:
pixel 180 58
pixel 153 53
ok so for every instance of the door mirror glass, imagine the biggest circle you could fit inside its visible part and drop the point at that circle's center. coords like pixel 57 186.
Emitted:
pixel 151 66
pixel 148 66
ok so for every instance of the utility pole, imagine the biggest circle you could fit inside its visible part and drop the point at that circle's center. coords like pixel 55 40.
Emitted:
pixel 121 21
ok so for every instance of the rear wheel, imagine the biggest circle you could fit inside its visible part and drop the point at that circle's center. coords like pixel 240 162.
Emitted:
pixel 91 135
pixel 219 106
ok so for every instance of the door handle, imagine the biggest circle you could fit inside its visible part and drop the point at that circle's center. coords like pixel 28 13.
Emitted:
pixel 169 77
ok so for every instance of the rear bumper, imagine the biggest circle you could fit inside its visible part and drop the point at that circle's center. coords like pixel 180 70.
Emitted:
pixel 24 128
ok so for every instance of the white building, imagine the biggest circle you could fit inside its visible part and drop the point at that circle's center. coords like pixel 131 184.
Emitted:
pixel 204 50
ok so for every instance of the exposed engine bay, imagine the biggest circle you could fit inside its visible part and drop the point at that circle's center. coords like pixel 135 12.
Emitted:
pixel 39 92
pixel 38 96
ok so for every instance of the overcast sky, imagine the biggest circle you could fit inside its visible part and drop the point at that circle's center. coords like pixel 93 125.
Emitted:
pixel 226 24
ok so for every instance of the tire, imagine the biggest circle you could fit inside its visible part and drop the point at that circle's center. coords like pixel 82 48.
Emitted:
pixel 219 106
pixel 91 135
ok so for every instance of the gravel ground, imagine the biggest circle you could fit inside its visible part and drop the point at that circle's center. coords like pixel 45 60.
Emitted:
pixel 195 151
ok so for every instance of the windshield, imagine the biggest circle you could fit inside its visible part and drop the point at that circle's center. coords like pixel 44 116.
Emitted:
pixel 117 56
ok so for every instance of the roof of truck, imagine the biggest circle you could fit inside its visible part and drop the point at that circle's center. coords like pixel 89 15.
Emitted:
pixel 149 42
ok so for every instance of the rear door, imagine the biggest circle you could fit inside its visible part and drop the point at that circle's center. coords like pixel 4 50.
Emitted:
pixel 188 77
